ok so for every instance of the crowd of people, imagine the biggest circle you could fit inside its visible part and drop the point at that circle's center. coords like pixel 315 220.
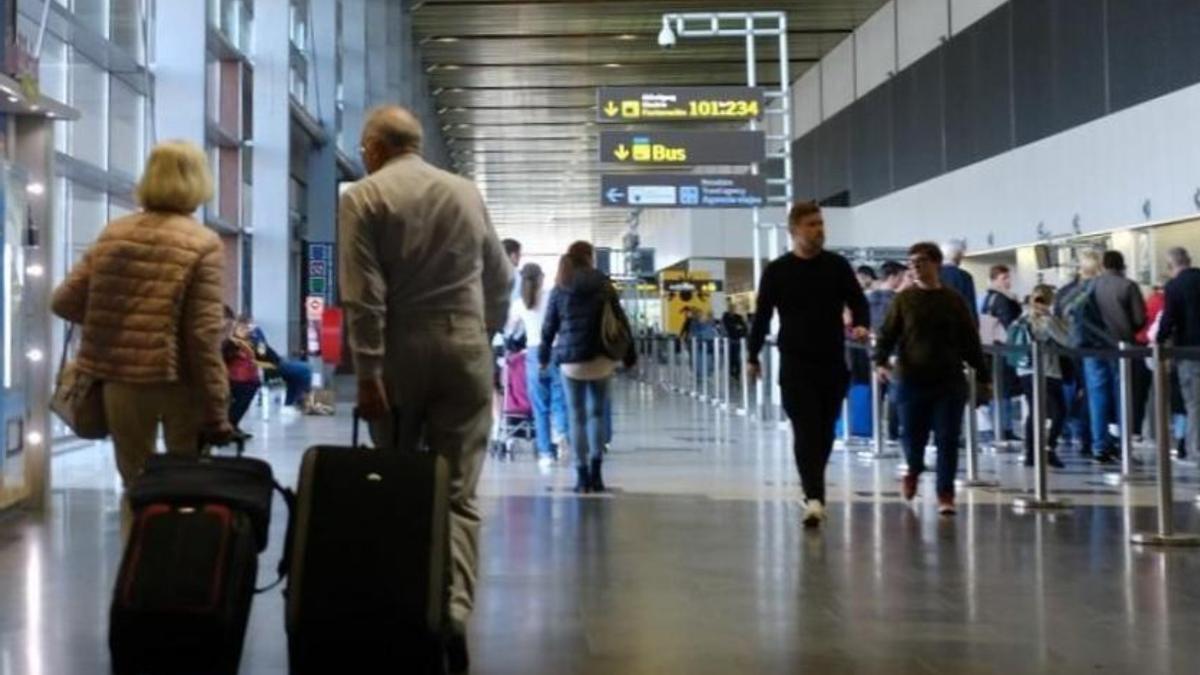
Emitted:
pixel 148 295
pixel 1099 308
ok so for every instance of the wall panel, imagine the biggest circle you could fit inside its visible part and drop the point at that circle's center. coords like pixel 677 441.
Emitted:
pixel 922 24
pixel 875 49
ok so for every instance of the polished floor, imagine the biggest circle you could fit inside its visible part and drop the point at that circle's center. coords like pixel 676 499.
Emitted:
pixel 696 563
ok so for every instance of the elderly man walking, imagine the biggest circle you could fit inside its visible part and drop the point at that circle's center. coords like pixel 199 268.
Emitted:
pixel 425 282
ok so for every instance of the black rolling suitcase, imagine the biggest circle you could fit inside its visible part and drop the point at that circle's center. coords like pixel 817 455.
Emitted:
pixel 367 584
pixel 186 581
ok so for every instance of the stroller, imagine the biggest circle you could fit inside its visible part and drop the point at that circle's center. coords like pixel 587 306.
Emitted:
pixel 514 425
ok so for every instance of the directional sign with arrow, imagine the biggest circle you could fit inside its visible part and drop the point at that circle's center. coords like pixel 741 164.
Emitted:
pixel 682 148
pixel 692 191
pixel 678 104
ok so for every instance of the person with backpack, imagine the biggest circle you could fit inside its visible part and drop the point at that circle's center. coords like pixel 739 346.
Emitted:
pixel 1039 324
pixel 1078 423
pixel 997 313
pixel 585 316
pixel 810 287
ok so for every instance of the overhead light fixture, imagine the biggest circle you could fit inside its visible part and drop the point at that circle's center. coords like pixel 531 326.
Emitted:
pixel 12 99
pixel 34 108
pixel 450 66
pixel 612 65
pixel 35 189
pixel 625 36
pixel 447 39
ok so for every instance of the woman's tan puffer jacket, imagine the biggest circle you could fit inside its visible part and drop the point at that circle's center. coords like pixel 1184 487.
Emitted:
pixel 148 297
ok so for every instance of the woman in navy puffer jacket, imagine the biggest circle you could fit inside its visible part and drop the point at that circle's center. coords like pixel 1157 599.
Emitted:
pixel 573 317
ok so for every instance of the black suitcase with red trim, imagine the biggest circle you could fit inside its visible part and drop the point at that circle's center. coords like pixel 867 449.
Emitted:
pixel 183 594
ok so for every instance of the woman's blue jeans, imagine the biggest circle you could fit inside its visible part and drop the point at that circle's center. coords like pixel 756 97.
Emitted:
pixel 548 400
pixel 587 406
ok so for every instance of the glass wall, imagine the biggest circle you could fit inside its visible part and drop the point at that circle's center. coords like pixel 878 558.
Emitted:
pixel 109 140
pixel 93 58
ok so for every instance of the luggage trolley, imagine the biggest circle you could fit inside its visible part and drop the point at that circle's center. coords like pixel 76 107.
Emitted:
pixel 513 428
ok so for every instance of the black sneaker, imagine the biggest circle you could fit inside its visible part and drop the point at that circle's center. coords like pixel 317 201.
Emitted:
pixel 1108 457
pixel 457 659
pixel 1053 460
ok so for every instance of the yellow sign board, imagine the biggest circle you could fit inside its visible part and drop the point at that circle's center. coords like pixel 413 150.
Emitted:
pixel 676 104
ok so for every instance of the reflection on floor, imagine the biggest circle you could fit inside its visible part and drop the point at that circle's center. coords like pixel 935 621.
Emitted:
pixel 697 564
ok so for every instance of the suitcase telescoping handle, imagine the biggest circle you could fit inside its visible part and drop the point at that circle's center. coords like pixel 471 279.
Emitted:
pixel 397 424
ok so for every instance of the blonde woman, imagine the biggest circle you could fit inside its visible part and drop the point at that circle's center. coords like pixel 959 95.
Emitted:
pixel 147 297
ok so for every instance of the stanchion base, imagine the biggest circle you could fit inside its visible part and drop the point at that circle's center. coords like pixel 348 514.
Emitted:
pixel 1113 478
pixel 977 483
pixel 1156 539
pixel 885 454
pixel 1035 504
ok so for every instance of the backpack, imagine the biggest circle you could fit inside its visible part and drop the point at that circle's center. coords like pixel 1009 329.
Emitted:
pixel 1019 336
pixel 1088 330
pixel 616 339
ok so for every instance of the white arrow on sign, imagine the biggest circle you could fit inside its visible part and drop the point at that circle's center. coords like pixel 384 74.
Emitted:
pixel 614 196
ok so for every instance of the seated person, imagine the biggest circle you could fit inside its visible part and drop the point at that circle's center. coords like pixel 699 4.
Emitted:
pixel 243 372
pixel 296 375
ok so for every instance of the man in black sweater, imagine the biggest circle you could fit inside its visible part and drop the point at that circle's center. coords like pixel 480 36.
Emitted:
pixel 1180 323
pixel 811 289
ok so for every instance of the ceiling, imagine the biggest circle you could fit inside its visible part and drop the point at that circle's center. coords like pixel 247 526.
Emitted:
pixel 514 84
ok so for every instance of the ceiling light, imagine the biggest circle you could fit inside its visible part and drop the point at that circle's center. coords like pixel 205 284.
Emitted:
pixel 34 108
pixel 35 188
pixel 12 99
pixel 450 66
pixel 447 39
pixel 612 65
pixel 625 36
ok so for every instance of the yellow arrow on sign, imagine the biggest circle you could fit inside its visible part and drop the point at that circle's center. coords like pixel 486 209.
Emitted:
pixel 611 109
pixel 621 153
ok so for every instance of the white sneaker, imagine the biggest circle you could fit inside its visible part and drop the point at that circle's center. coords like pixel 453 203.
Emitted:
pixel 814 513
pixel 545 462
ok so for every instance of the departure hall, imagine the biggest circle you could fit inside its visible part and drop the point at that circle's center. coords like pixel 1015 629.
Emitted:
pixel 599 337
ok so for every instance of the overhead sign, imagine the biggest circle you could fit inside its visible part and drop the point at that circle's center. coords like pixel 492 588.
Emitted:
pixel 682 148
pixel 683 191
pixel 678 104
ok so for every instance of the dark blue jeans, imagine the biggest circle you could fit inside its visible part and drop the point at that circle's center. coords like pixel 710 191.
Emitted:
pixel 1103 392
pixel 935 407
pixel 298 378
pixel 587 407
pixel 1077 425
pixel 548 399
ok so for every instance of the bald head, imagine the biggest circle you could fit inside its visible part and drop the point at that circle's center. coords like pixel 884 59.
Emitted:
pixel 389 132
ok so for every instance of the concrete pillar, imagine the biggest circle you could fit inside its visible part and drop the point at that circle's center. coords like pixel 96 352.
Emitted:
pixel 322 161
pixel 272 279
pixel 179 70
pixel 354 73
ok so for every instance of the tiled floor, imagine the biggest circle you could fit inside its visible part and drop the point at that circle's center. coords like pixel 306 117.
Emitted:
pixel 696 564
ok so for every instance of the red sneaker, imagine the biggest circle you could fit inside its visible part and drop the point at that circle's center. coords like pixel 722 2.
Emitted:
pixel 946 505
pixel 908 486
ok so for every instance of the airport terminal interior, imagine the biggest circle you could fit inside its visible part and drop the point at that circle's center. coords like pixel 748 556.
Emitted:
pixel 1045 148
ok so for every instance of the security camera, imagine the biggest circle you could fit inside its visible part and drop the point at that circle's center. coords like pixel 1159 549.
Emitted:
pixel 666 36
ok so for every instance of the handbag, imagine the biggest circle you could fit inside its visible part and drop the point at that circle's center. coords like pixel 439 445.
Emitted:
pixel 78 398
